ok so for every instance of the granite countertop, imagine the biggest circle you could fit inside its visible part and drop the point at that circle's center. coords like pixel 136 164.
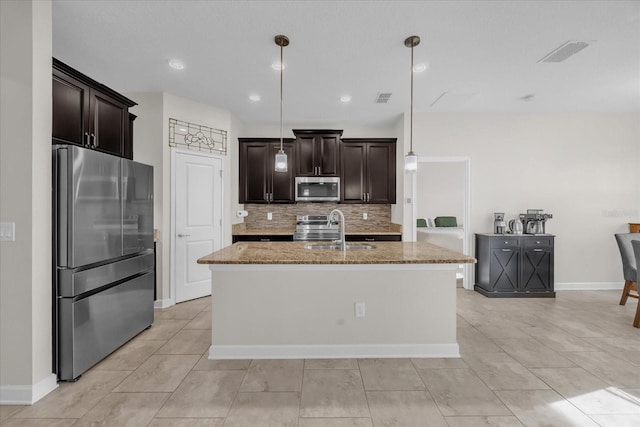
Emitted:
pixel 516 235
pixel 295 253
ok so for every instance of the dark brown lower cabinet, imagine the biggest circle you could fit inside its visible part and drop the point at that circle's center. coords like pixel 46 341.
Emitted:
pixel 262 238
pixel 515 266
pixel 373 238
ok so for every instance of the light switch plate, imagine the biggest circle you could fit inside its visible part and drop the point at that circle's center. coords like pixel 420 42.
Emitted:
pixel 8 231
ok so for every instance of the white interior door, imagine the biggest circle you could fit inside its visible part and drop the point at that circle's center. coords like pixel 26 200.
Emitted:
pixel 198 221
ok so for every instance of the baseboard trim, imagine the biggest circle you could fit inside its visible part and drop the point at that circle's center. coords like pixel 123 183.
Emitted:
pixel 27 394
pixel 333 351
pixel 162 303
pixel 588 286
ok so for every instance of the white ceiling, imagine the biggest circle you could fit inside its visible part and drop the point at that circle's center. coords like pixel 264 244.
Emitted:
pixel 483 54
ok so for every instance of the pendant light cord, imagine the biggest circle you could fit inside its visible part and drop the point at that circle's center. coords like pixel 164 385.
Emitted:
pixel 411 114
pixel 281 102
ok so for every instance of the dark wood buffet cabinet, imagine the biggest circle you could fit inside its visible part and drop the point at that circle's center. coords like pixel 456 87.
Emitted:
pixel 366 166
pixel 512 265
pixel 89 114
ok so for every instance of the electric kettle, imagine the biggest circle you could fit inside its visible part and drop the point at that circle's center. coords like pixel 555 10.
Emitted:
pixel 515 226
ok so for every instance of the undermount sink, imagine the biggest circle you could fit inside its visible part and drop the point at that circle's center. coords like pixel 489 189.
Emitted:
pixel 326 247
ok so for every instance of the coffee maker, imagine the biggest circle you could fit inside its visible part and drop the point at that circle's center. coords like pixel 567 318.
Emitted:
pixel 534 221
pixel 499 226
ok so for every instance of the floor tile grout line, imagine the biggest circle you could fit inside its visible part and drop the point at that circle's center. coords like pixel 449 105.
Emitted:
pixel 364 389
pixel 428 392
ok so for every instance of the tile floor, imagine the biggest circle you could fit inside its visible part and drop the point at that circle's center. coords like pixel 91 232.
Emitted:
pixel 569 361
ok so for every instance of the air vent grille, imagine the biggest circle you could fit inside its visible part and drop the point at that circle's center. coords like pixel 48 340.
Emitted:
pixel 383 97
pixel 564 51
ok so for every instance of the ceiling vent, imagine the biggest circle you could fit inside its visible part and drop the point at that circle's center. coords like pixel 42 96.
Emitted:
pixel 565 50
pixel 383 97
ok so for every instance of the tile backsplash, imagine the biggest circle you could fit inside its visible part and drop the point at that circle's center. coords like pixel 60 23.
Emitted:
pixel 284 216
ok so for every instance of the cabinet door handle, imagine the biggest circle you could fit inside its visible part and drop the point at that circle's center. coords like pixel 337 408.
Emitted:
pixel 86 139
pixel 537 250
pixel 369 239
pixel 95 142
pixel 368 197
pixel 506 250
pixel 265 240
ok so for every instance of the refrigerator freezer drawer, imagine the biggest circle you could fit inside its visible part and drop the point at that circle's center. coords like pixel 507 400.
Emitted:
pixel 72 283
pixel 93 327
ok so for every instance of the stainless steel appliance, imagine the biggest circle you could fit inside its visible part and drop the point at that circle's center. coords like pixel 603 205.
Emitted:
pixel 316 227
pixel 534 221
pixel 516 226
pixel 317 189
pixel 103 255
pixel 499 225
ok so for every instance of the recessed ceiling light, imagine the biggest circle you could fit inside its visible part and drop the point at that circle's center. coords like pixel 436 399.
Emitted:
pixel 418 68
pixel 254 97
pixel 345 98
pixel 176 64
pixel 276 65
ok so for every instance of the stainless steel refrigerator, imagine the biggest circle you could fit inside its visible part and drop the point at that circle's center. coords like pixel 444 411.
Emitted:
pixel 103 255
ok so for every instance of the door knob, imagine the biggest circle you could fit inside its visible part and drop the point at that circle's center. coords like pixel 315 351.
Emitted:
pixel 184 235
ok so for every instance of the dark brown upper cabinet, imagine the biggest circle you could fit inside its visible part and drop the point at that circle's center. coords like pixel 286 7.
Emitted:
pixel 318 152
pixel 258 180
pixel 89 114
pixel 368 170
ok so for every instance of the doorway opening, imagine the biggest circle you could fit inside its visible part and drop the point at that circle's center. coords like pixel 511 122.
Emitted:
pixel 442 188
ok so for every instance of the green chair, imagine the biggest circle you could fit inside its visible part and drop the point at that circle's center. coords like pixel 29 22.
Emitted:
pixel 446 221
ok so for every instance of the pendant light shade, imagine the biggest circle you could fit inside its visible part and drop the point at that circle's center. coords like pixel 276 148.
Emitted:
pixel 411 160
pixel 281 157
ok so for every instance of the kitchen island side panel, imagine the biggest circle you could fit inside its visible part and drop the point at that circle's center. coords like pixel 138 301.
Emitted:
pixel 276 312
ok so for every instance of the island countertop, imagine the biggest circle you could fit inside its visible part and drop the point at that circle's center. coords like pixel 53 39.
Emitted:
pixel 295 253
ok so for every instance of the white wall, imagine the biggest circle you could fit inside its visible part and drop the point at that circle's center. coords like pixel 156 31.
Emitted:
pixel 440 190
pixel 147 148
pixel 25 190
pixel 237 130
pixel 582 168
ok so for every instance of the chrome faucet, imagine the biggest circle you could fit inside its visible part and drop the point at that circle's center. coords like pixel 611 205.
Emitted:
pixel 341 243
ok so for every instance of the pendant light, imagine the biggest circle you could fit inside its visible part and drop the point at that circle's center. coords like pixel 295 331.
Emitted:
pixel 281 156
pixel 411 160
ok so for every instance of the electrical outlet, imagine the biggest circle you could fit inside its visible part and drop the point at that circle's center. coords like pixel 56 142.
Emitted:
pixel 359 306
pixel 8 231
pixel 365 215
pixel 269 216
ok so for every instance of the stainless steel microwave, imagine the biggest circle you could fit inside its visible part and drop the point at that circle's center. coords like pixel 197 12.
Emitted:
pixel 317 189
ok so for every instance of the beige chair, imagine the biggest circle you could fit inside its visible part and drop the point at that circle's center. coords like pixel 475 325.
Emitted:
pixel 636 250
pixel 629 267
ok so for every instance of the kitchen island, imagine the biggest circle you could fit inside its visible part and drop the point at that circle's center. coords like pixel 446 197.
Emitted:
pixel 281 300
